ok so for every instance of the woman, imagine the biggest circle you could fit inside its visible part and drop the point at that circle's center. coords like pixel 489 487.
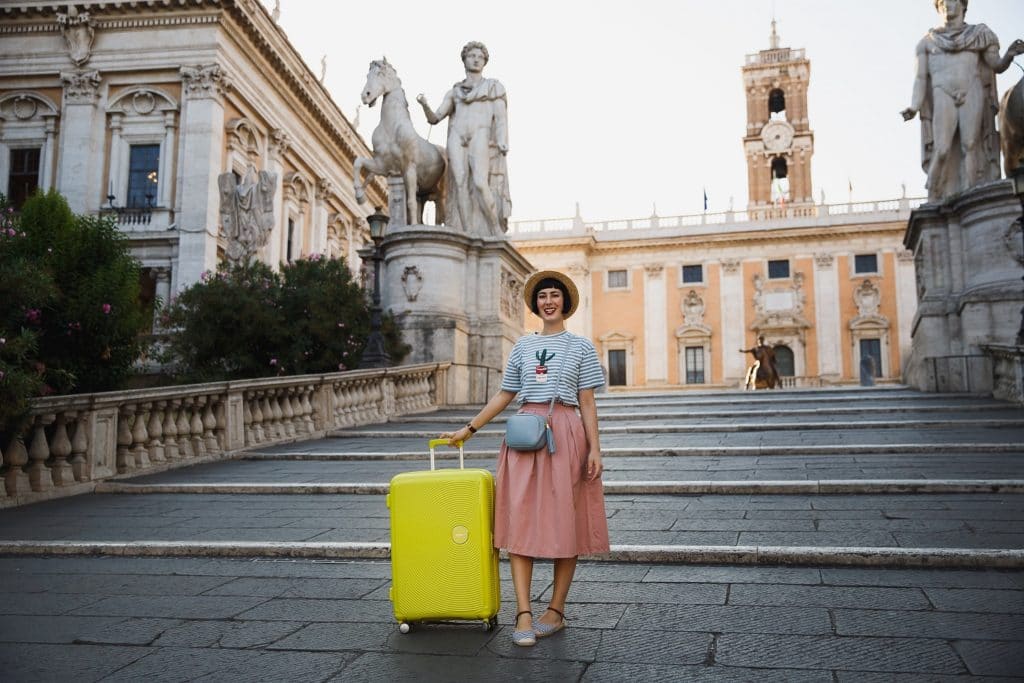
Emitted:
pixel 548 505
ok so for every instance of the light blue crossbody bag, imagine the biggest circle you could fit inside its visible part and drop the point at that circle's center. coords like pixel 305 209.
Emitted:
pixel 528 432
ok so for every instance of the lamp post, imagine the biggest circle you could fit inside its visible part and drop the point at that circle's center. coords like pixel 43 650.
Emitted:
pixel 375 355
pixel 1018 189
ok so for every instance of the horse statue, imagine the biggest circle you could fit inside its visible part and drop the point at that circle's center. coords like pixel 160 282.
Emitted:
pixel 1011 127
pixel 398 150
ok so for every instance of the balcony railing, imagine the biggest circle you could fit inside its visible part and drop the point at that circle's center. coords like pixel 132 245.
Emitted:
pixel 73 441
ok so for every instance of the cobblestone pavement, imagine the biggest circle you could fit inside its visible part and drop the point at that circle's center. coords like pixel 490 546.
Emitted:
pixel 189 618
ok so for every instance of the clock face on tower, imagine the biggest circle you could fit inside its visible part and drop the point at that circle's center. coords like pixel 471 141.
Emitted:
pixel 777 136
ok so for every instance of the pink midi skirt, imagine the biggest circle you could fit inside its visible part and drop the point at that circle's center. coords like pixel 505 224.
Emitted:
pixel 544 504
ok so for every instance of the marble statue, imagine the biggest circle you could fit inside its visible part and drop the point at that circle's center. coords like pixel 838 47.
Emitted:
pixel 398 150
pixel 246 212
pixel 477 112
pixel 955 95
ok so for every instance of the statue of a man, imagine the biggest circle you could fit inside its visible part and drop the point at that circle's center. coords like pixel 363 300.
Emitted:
pixel 477 111
pixel 955 93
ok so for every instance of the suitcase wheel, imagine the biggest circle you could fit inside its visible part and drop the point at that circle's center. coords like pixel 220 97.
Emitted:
pixel 404 627
pixel 489 624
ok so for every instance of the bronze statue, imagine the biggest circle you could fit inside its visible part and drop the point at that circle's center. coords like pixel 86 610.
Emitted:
pixel 762 374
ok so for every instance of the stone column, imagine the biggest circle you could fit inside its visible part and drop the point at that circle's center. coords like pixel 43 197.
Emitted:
pixel 733 321
pixel 324 190
pixel 166 161
pixel 655 325
pixel 906 302
pixel 826 311
pixel 46 163
pixel 81 135
pixel 114 184
pixel 582 321
pixel 280 143
pixel 202 137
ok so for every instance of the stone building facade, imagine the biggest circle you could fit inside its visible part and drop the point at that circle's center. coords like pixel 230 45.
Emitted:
pixel 140 109
pixel 670 301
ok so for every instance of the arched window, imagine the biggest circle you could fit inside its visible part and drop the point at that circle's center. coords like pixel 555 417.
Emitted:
pixel 784 361
pixel 780 169
pixel 780 182
pixel 777 104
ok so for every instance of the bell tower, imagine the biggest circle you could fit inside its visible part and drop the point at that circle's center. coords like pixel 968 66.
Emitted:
pixel 779 141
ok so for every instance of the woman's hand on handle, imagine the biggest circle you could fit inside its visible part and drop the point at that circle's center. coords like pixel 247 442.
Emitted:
pixel 459 436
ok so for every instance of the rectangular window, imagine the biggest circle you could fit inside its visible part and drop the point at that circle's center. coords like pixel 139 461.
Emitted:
pixel 617 368
pixel 143 170
pixel 871 352
pixel 23 180
pixel 291 238
pixel 778 269
pixel 865 263
pixel 693 273
pixel 617 279
pixel 695 365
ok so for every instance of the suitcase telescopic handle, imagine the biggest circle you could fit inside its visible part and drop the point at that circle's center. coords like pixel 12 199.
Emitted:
pixel 446 442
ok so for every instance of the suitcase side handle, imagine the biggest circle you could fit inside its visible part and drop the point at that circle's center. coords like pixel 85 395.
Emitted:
pixel 433 443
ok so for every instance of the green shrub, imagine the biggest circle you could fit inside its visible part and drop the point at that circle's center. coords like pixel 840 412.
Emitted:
pixel 248 321
pixel 69 314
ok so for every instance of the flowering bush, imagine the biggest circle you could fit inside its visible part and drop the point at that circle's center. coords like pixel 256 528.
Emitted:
pixel 248 321
pixel 69 311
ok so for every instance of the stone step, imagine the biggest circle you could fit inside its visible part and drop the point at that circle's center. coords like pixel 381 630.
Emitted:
pixel 819 486
pixel 820 556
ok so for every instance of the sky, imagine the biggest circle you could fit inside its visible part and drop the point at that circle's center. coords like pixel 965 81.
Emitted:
pixel 632 107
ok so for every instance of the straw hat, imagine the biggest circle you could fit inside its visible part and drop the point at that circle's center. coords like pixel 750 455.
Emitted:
pixel 532 282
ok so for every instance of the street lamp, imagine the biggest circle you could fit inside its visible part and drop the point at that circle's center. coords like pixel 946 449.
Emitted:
pixel 1018 189
pixel 375 355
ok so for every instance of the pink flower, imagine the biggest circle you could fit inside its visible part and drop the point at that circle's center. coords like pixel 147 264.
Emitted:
pixel 341 366
pixel 273 361
pixel 3 340
pixel 2 375
pixel 11 232
pixel 107 308
pixel 34 315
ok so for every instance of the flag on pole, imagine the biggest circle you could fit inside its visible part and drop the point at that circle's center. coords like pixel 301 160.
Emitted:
pixel 705 199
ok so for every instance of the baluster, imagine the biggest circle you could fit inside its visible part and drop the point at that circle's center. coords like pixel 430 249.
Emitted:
pixel 269 430
pixel 140 437
pixel 125 461
pixel 340 404
pixel 196 426
pixel 15 480
pixel 221 434
pixel 307 410
pixel 247 419
pixel 184 427
pixel 60 447
pixel 257 418
pixel 288 413
pixel 155 427
pixel 275 405
pixel 79 447
pixel 209 425
pixel 38 454
pixel 170 429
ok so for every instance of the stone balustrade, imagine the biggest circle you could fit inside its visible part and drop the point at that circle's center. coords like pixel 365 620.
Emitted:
pixel 73 441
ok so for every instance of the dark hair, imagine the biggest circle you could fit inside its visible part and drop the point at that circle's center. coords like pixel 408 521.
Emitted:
pixel 549 283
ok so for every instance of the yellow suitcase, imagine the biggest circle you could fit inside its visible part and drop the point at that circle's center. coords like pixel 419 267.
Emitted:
pixel 444 565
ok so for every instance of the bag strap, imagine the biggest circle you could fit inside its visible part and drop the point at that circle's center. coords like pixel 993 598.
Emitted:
pixel 558 380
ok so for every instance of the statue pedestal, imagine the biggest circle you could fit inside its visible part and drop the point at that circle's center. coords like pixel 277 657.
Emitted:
pixel 456 298
pixel 968 260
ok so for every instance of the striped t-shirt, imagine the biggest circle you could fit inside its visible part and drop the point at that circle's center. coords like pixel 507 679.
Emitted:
pixel 535 361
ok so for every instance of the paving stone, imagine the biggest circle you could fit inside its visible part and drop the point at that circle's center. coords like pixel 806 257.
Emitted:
pixel 672 593
pixel 291 609
pixel 109 584
pixel 946 578
pixel 977 600
pixel 944 625
pixel 610 572
pixel 719 618
pixel 881 539
pixel 299 588
pixel 870 677
pixel 824 652
pixel 713 574
pixel 170 606
pixel 339 636
pixel 685 524
pixel 960 539
pixel 182 664
pixel 44 603
pixel 571 643
pixel 437 669
pixel 226 634
pixel 36 662
pixel 87 630
pixel 829 596
pixel 616 672
pixel 274 667
pixel 989 658
pixel 664 647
